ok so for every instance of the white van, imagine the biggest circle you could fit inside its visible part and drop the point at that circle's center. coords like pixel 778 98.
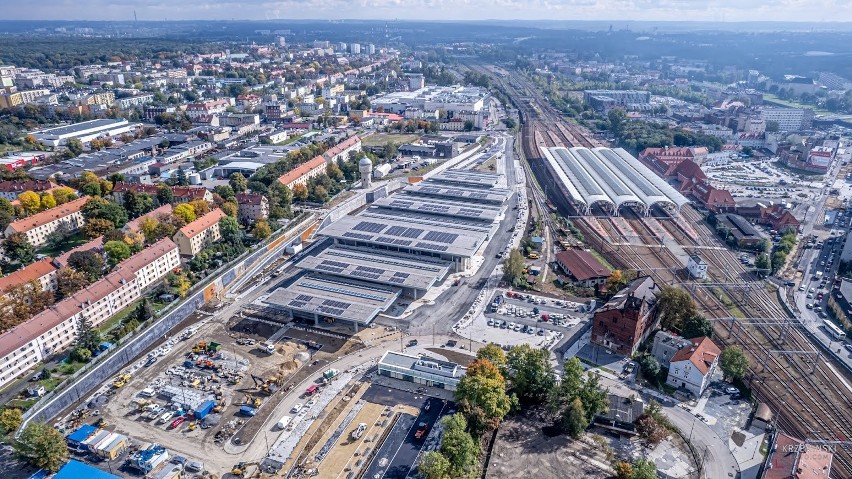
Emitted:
pixel 166 416
pixel 284 422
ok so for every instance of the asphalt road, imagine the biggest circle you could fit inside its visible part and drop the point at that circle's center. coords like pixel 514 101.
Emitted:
pixel 398 454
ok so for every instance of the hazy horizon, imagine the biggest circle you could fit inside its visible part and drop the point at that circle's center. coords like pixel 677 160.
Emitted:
pixel 798 11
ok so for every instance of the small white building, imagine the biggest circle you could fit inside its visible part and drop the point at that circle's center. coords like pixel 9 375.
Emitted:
pixel 697 267
pixel 692 368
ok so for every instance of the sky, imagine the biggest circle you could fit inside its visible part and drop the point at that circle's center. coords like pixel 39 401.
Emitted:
pixel 637 10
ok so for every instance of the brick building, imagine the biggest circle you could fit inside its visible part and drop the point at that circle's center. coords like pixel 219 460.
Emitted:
pixel 627 318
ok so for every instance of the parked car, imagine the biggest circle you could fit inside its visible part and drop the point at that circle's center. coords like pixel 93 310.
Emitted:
pixel 731 390
pixel 296 408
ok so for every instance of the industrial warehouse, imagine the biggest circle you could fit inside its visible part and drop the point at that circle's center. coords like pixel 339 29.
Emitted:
pixel 610 178
pixel 398 247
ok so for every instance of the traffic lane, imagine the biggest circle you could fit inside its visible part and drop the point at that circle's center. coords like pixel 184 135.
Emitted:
pixel 406 455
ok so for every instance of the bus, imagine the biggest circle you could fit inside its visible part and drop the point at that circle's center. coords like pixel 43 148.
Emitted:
pixel 834 330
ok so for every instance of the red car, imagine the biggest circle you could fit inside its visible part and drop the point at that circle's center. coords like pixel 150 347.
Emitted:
pixel 545 317
pixel 177 422
pixel 420 433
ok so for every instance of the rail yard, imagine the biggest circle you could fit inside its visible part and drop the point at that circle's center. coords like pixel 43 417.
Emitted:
pixel 804 387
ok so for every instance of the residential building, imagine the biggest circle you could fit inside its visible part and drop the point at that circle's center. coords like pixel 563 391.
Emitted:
pixel 193 237
pixel 788 119
pixel 55 328
pixel 252 207
pixel 696 266
pixel 586 270
pixel 196 111
pixel 666 345
pixel 42 271
pixel 39 226
pixel 627 318
pixel 105 98
pixel 691 369
pixel 423 370
pixel 776 216
pixel 10 189
pixel 304 172
pixel 137 100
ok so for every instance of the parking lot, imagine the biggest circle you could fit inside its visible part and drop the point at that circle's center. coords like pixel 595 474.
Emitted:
pixel 721 410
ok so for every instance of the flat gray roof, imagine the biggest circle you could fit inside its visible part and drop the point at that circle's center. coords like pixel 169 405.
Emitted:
pixel 426 364
pixel 334 297
pixel 411 235
pixel 492 195
pixel 425 219
pixel 467 177
pixel 439 207
pixel 378 266
pixel 85 125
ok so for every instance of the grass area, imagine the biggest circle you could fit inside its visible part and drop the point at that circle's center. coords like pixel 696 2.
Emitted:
pixel 292 139
pixel 381 139
pixel 601 259
pixel 70 368
pixel 729 304
pixel 22 404
pixel 488 166
pixel 66 245
pixel 50 384
pixel 795 104
pixel 117 318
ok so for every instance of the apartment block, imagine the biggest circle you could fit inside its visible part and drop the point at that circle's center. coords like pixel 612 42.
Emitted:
pixel 40 225
pixel 55 328
pixel 193 237
pixel 252 207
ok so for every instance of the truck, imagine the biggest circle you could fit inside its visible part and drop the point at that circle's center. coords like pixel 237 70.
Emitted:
pixel 312 389
pixel 270 348
pixel 329 374
pixel 203 409
pixel 248 411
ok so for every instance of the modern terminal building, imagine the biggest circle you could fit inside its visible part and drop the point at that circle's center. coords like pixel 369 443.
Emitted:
pixel 398 247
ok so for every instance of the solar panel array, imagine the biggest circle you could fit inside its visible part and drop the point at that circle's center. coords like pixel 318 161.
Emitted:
pixel 401 204
pixel 331 311
pixel 370 270
pixel 297 304
pixel 396 280
pixel 347 292
pixel 398 242
pixel 360 236
pixel 336 304
pixel 470 212
pixel 431 246
pixel 369 227
pixel 331 269
pixel 435 208
pixel 404 231
pixel 401 275
pixel 304 297
pixel 440 237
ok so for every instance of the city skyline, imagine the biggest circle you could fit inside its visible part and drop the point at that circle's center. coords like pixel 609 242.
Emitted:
pixel 615 10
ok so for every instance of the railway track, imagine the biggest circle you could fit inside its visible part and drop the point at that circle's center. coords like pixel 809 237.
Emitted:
pixel 808 398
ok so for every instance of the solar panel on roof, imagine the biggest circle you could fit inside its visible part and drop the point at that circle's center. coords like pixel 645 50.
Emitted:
pixel 412 232
pixel 401 242
pixel 336 304
pixel 394 279
pixel 401 275
pixel 331 311
pixel 336 264
pixel 370 270
pixel 330 269
pixel 304 297
pixel 395 230
pixel 297 304
pixel 360 236
pixel 441 237
pixel 470 212
pixel 369 227
pixel 364 274
pixel 431 246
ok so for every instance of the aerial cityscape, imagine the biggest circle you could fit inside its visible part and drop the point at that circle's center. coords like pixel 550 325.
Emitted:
pixel 544 240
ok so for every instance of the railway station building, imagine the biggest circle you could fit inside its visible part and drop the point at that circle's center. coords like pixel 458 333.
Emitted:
pixel 609 179
pixel 398 247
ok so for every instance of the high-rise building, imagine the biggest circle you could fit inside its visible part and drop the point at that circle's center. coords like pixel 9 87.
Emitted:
pixel 355 48
pixel 371 49
pixel 789 119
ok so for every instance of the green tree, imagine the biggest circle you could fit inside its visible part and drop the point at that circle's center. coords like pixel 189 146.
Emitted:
pixel 75 147
pixel 238 183
pixel 224 191
pixel 101 208
pixel 144 312
pixel 165 195
pixel 434 466
pixel 231 209
pixel 458 446
pixel 42 446
pixel 138 204
pixel 7 213
pixel 468 125
pixel 300 192
pixel 116 251
pixel 181 178
pixel 733 363
pixel 529 374
pixel 513 267
pixel 97 227
pixel 87 336
pixel 494 354
pixel 574 386
pixel 644 469
pixel 763 264
pixel 10 419
pixel 81 355
pixel 573 419
pixel 87 262
pixel 650 367
pixel 261 230
pixel 19 249
pixel 675 305
pixel 230 231
pixel 483 400
pixel 696 326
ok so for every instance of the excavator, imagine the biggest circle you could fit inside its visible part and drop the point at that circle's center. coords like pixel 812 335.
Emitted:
pixel 266 386
pixel 253 401
pixel 239 470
